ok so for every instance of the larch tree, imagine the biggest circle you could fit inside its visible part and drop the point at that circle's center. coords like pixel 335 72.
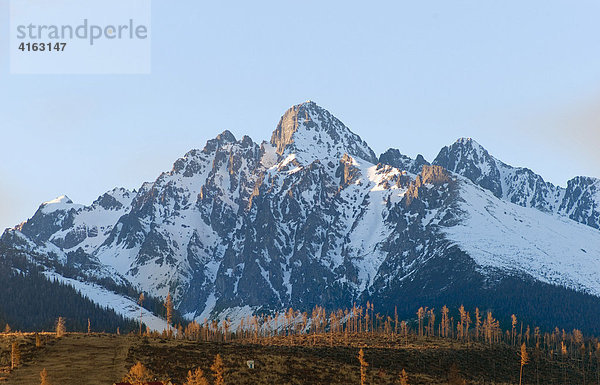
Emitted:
pixel 169 311
pixel 363 367
pixel 461 325
pixel 477 323
pixel 467 324
pixel 138 374
pixel 403 378
pixel 420 316
pixel 514 329
pixel 15 356
pixel 598 362
pixel 524 361
pixel 563 351
pixel 60 327
pixel 218 369
pixel 196 378
pixel 454 377
pixel 445 321
pixel 141 303
pixel 44 377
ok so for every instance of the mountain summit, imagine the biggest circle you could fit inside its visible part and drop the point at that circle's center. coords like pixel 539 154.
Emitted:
pixel 314 218
pixel 311 132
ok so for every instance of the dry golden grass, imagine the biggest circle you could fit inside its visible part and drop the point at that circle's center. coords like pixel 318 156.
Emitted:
pixel 79 359
pixel 74 359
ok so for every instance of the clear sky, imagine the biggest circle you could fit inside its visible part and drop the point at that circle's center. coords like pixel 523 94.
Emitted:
pixel 520 77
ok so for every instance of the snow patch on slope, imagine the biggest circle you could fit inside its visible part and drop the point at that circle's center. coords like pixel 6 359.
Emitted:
pixel 550 248
pixel 124 306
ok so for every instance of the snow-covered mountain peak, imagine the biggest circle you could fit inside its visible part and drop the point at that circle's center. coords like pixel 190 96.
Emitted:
pixel 580 201
pixel 63 202
pixel 115 199
pixel 394 158
pixel 311 132
pixel 468 158
pixel 467 150
pixel 312 217
pixel 63 199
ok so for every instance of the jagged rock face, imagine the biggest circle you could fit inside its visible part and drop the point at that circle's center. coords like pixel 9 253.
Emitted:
pixel 581 201
pixel 314 218
pixel 521 185
pixel 394 158
pixel 469 159
pixel 309 130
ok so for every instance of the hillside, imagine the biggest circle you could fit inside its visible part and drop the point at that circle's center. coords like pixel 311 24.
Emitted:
pixel 102 359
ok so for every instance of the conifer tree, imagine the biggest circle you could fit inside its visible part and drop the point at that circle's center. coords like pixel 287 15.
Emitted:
pixel 467 324
pixel 454 377
pixel 7 329
pixel 60 327
pixel 218 370
pixel 196 378
pixel 403 378
pixel 138 374
pixel 598 362
pixel 44 377
pixel 141 302
pixel 461 323
pixel 477 323
pixel 169 311
pixel 395 320
pixel 445 321
pixel 563 351
pixel 363 367
pixel 420 316
pixel 524 361
pixel 15 356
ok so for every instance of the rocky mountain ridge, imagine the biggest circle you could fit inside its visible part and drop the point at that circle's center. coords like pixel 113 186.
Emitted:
pixel 313 217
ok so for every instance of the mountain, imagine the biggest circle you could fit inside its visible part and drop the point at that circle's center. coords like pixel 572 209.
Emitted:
pixel 314 217
pixel 580 201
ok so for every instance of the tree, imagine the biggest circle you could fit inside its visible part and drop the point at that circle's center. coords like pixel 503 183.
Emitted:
pixel 445 321
pixel 563 351
pixel 89 326
pixel 454 377
pixel 169 310
pixel 363 367
pixel 524 361
pixel 461 324
pixel 196 378
pixel 403 378
pixel 44 377
pixel 420 316
pixel 141 302
pixel 218 370
pixel 7 329
pixel 15 356
pixel 138 374
pixel 60 327
pixel 477 323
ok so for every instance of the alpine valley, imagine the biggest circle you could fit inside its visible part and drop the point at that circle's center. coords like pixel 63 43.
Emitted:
pixel 315 217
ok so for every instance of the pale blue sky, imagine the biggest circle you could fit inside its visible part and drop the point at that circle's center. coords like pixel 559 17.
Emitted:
pixel 521 77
